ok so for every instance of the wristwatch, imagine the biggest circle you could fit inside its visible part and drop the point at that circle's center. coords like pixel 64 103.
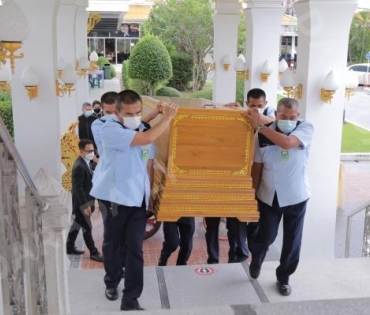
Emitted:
pixel 260 126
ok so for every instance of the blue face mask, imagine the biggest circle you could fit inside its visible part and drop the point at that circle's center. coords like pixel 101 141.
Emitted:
pixel 287 126
pixel 88 113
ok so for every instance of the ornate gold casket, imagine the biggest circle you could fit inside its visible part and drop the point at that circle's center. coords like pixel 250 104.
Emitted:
pixel 203 165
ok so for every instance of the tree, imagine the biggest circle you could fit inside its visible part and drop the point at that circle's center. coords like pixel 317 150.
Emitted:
pixel 150 62
pixel 359 38
pixel 242 34
pixel 185 26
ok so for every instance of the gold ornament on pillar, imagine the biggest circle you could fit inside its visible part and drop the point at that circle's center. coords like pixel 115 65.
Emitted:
pixel 288 83
pixel 240 68
pixel 208 61
pixel 329 87
pixel 94 61
pixel 351 84
pixel 30 82
pixel 5 77
pixel 82 67
pixel 226 61
pixel 266 71
pixel 67 83
pixel 13 31
pixel 283 66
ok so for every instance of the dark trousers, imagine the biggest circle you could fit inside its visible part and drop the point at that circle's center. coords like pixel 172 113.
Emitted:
pixel 176 234
pixel 81 221
pixel 293 218
pixel 236 234
pixel 104 211
pixel 124 225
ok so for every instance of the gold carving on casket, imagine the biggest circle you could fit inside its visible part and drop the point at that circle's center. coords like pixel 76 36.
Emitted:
pixel 203 165
pixel 69 152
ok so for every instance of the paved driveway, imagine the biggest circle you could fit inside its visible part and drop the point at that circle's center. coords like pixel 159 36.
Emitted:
pixel 358 108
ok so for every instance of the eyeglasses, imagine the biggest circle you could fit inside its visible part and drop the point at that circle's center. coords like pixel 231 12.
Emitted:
pixel 89 151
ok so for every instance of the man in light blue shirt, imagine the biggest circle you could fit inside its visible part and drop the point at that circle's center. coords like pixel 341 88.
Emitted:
pixel 280 179
pixel 108 101
pixel 122 183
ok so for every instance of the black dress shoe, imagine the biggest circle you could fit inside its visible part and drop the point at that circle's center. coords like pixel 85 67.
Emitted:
pixel 74 251
pixel 126 307
pixel 97 257
pixel 111 294
pixel 254 272
pixel 284 289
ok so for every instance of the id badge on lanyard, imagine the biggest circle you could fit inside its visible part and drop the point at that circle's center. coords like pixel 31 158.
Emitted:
pixel 284 155
pixel 145 153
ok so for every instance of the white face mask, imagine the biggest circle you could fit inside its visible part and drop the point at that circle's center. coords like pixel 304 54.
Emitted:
pixel 132 122
pixel 88 113
pixel 287 126
pixel 89 156
pixel 261 110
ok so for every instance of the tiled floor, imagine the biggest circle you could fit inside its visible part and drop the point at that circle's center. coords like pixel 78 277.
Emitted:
pixel 356 183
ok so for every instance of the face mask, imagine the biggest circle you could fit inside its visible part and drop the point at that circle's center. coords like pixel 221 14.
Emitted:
pixel 261 110
pixel 89 156
pixel 97 110
pixel 132 122
pixel 88 113
pixel 287 126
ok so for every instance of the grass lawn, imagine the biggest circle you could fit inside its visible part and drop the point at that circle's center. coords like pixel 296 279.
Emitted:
pixel 355 139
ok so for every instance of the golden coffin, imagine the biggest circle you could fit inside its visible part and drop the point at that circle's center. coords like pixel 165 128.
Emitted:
pixel 203 166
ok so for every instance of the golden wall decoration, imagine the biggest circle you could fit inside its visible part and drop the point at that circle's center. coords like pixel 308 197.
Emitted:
pixel 94 18
pixel 69 152
pixel 203 165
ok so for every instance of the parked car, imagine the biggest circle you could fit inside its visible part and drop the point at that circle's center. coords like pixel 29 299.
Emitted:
pixel 363 72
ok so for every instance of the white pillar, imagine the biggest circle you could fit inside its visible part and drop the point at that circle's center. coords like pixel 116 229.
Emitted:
pixel 225 21
pixel 323 45
pixel 66 44
pixel 82 87
pixel 263 20
pixel 36 123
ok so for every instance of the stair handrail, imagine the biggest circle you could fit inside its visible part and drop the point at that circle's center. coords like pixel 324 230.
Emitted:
pixel 366 244
pixel 22 169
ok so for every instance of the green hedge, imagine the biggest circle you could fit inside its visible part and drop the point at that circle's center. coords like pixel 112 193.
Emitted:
pixel 6 112
pixel 168 91
pixel 126 80
pixel 182 68
pixel 207 93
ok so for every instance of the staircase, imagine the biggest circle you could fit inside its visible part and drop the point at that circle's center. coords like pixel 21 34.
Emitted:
pixel 338 286
pixel 23 283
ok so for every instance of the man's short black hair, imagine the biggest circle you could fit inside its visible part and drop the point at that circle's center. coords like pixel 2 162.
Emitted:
pixel 109 98
pixel 83 143
pixel 256 93
pixel 96 102
pixel 127 97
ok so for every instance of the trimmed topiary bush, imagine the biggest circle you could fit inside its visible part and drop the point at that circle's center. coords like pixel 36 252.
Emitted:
pixel 150 62
pixel 182 68
pixel 168 91
pixel 104 61
pixel 6 112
